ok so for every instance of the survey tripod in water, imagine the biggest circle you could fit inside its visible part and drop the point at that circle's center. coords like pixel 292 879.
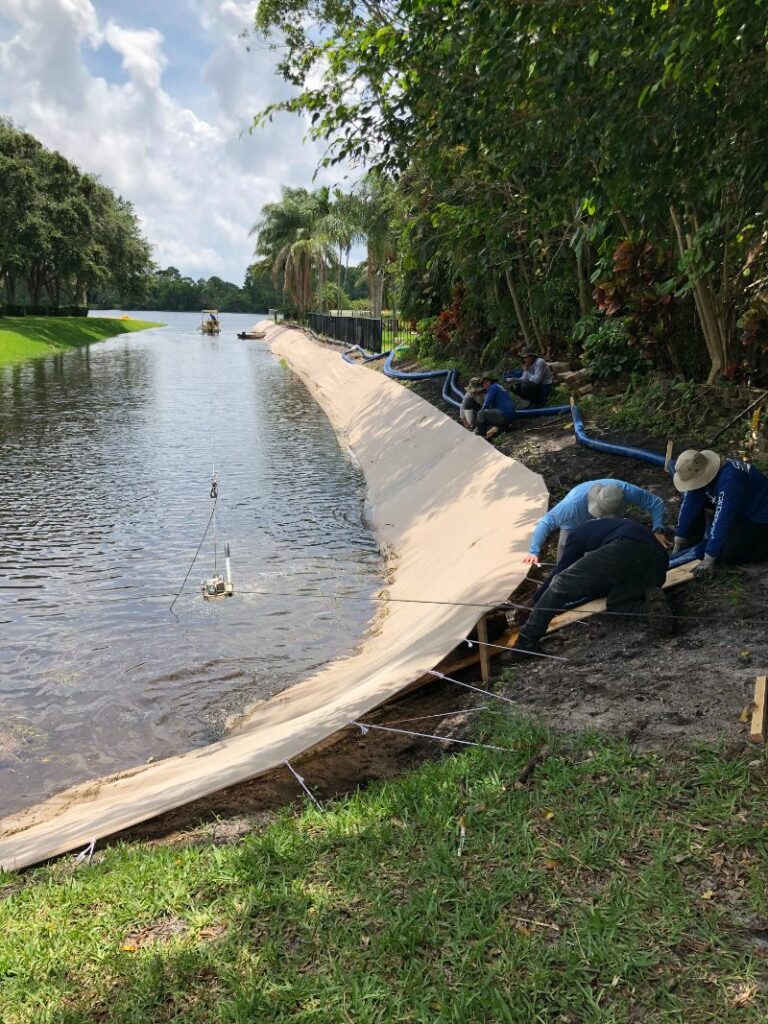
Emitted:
pixel 215 586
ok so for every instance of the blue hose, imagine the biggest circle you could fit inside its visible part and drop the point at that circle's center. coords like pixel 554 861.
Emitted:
pixel 453 395
pixel 682 557
pixel 447 385
pixel 613 449
pixel 367 356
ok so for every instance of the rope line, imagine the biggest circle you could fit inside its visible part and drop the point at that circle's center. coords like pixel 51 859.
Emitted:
pixel 302 783
pixel 503 647
pixel 189 570
pixel 469 686
pixel 365 726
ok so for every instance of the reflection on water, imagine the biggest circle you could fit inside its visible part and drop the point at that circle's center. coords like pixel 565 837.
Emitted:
pixel 107 454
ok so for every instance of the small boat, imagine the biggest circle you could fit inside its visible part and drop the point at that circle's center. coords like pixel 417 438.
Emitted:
pixel 242 335
pixel 210 321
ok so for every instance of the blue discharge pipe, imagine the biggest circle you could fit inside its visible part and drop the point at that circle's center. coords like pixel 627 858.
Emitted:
pixel 689 554
pixel 613 449
pixel 453 395
pixel 367 356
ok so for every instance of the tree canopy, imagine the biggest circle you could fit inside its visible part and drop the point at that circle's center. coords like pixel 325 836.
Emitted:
pixel 562 160
pixel 62 232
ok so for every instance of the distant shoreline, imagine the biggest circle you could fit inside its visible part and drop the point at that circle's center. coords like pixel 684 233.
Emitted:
pixel 32 337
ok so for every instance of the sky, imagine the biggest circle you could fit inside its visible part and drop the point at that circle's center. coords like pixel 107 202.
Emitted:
pixel 155 97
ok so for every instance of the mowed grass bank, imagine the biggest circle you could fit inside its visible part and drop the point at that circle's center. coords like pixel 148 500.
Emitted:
pixel 28 337
pixel 610 887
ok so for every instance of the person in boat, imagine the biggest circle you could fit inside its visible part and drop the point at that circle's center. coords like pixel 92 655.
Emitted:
pixel 536 381
pixel 472 403
pixel 213 319
pixel 497 410
pixel 594 499
pixel 618 559
pixel 736 495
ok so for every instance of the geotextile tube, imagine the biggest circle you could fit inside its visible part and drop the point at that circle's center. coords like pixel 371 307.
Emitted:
pixel 454 518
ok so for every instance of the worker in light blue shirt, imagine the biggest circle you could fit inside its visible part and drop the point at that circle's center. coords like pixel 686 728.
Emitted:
pixel 594 499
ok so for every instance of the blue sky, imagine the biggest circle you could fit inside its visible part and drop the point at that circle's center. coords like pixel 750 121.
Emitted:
pixel 154 97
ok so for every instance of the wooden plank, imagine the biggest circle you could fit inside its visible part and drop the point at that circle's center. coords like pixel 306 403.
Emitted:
pixel 485 656
pixel 757 729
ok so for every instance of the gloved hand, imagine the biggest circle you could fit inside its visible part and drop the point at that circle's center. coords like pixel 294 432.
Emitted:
pixel 680 545
pixel 705 568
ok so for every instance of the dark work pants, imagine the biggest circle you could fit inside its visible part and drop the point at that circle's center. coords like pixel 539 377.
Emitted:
pixel 746 541
pixel 536 394
pixel 492 418
pixel 620 571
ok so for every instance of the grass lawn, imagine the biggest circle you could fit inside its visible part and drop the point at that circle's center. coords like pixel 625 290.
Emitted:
pixel 28 337
pixel 611 887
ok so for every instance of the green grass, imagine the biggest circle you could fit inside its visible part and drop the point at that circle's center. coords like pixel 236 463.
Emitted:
pixel 613 887
pixel 29 337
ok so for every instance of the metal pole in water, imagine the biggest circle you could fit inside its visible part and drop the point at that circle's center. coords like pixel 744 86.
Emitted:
pixel 227 564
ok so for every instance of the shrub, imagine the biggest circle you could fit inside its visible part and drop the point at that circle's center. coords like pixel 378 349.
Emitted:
pixel 608 351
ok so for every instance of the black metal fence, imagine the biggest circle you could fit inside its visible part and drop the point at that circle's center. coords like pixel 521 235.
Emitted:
pixel 376 334
pixel 354 330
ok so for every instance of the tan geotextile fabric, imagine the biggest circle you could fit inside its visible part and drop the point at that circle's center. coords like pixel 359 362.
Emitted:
pixel 453 516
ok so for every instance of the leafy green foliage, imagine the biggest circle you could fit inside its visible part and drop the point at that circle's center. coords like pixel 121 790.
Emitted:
pixel 61 232
pixel 608 351
pixel 531 137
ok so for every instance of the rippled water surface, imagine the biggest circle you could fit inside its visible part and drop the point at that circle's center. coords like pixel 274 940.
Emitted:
pixel 107 454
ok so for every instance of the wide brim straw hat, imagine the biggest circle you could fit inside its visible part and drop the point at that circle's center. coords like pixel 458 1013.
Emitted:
pixel 695 469
pixel 475 385
pixel 604 500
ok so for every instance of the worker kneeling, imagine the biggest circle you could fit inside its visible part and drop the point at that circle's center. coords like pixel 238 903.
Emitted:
pixel 618 559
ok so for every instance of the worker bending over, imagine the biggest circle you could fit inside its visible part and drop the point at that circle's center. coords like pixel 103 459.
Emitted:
pixel 497 410
pixel 594 499
pixel 737 495
pixel 618 559
pixel 536 383
pixel 472 403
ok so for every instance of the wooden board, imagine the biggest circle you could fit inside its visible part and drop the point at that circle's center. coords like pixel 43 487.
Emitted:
pixel 757 729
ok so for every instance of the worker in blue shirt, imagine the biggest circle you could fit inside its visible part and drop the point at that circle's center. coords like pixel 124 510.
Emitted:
pixel 737 495
pixel 618 559
pixel 497 410
pixel 593 500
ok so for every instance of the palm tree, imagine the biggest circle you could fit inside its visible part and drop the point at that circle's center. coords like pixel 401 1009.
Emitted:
pixel 293 244
pixel 376 196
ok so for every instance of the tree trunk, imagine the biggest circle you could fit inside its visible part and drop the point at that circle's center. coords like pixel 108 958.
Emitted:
pixel 585 299
pixel 705 308
pixel 376 291
pixel 518 308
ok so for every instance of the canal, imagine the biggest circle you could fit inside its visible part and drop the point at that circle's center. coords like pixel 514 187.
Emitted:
pixel 107 454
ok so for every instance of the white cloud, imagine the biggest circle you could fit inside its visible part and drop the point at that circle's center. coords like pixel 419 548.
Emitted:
pixel 143 59
pixel 175 150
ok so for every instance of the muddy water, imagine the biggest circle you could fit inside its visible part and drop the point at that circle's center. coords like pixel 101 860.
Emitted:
pixel 107 454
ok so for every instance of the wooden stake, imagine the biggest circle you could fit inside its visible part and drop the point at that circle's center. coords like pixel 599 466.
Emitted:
pixel 668 456
pixel 485 656
pixel 757 730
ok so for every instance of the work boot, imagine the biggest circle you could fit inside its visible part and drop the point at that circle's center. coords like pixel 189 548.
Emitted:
pixel 525 646
pixel 661 621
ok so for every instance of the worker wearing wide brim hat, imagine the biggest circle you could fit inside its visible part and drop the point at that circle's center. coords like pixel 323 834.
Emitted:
pixel 497 410
pixel 472 403
pixel 536 381
pixel 737 496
